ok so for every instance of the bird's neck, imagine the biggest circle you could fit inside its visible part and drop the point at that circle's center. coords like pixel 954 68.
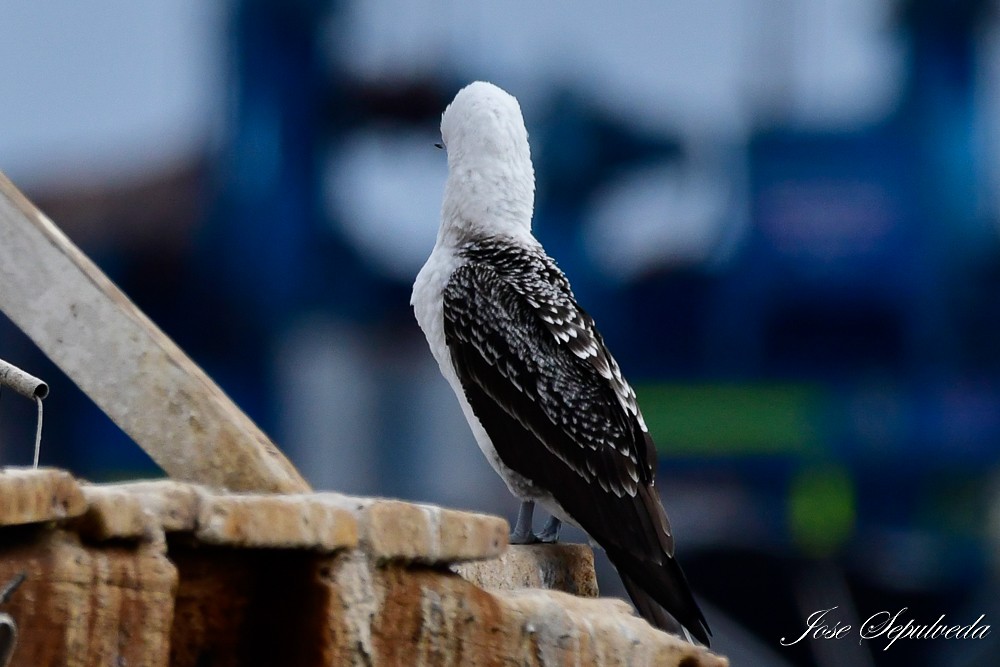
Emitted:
pixel 480 204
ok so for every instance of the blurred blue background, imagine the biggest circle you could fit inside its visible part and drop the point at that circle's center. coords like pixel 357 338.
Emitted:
pixel 784 216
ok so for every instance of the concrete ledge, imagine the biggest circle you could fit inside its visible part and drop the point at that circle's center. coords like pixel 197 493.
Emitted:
pixel 396 530
pixel 157 573
pixel 561 628
pixel 173 505
pixel 385 529
pixel 562 567
pixel 295 521
pixel 114 513
pixel 34 496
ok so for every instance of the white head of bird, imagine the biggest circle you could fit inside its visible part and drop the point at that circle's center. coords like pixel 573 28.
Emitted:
pixel 491 184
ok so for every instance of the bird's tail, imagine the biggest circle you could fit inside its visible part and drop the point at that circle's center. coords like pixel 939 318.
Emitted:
pixel 662 596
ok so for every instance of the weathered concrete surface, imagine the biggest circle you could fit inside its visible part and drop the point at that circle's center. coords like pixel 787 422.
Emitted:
pixel 408 615
pixel 562 567
pixel 397 530
pixel 33 496
pixel 173 505
pixel 114 513
pixel 385 529
pixel 162 572
pixel 81 606
pixel 296 521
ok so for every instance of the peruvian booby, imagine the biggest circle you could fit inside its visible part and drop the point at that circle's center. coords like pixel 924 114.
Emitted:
pixel 546 401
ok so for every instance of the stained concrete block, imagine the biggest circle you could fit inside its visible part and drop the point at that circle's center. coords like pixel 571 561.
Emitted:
pixel 82 606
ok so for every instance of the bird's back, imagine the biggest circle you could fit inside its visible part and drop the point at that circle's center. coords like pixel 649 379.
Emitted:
pixel 544 389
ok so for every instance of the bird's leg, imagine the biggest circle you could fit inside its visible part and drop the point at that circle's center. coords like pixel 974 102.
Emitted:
pixel 522 529
pixel 550 531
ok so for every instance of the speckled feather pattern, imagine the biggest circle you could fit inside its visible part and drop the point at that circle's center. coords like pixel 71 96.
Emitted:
pixel 505 285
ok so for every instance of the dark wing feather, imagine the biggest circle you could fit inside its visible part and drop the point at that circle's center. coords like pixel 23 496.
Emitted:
pixel 556 417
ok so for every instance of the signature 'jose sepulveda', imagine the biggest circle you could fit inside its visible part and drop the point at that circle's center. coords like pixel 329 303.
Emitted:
pixel 888 625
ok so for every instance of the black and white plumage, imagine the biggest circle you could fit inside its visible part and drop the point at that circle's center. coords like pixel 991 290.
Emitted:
pixel 545 399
